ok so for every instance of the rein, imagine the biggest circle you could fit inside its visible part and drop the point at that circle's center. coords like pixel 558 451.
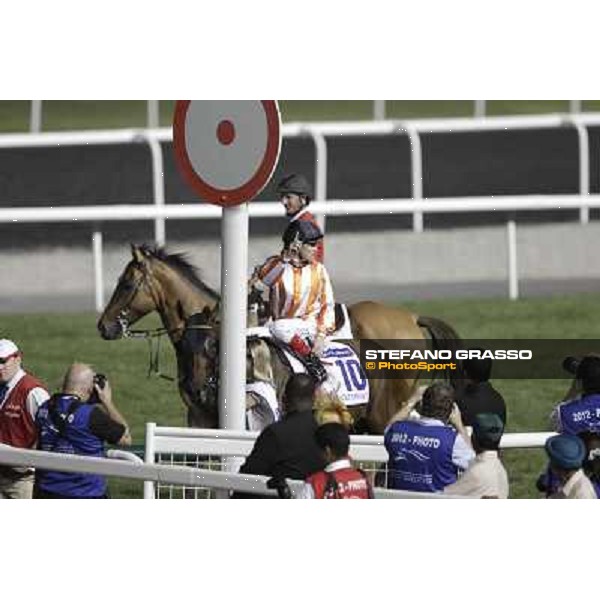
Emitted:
pixel 154 338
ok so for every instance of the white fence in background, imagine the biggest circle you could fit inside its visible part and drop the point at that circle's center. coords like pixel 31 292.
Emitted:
pixel 323 206
pixel 212 443
pixel 95 214
pixel 413 128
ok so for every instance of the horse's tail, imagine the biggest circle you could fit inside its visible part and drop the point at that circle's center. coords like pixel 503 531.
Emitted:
pixel 443 337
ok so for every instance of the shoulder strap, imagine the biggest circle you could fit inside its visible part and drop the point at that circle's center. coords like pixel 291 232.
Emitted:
pixel 369 486
pixel 59 420
pixel 331 486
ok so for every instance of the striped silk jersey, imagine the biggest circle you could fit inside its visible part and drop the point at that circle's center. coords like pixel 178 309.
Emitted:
pixel 299 292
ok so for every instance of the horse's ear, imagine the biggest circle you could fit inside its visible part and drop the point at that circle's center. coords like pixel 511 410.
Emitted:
pixel 137 253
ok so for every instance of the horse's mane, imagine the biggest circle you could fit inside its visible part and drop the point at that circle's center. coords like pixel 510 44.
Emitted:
pixel 180 263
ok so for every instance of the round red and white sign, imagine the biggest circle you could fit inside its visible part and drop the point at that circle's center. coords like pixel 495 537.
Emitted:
pixel 227 149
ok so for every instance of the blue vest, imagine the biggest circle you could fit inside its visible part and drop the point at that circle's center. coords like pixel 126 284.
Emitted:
pixel 420 456
pixel 76 439
pixel 582 414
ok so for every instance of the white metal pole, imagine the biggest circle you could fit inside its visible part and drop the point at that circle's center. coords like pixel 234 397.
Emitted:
pixel 584 169
pixel 417 173
pixel 575 106
pixel 234 292
pixel 513 276
pixel 378 110
pixel 35 116
pixel 152 114
pixel 320 172
pixel 98 273
pixel 480 108
pixel 158 185
pixel 149 459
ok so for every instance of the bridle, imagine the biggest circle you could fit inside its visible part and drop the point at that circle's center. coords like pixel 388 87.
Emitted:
pixel 123 316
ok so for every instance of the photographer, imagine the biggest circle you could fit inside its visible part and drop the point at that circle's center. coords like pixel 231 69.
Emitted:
pixel 580 410
pixel 427 454
pixel 79 420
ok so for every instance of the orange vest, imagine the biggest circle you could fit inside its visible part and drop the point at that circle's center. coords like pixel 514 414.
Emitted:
pixel 17 428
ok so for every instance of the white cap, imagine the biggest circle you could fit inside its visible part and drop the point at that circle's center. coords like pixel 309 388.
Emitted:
pixel 7 348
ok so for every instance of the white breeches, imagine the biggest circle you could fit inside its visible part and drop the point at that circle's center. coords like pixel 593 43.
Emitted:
pixel 286 329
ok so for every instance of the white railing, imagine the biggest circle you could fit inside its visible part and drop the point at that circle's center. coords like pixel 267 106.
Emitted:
pixel 187 477
pixel 227 444
pixel 220 443
pixel 160 212
pixel 413 128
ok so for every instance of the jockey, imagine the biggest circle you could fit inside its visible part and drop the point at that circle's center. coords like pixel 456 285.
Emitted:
pixel 295 194
pixel 300 293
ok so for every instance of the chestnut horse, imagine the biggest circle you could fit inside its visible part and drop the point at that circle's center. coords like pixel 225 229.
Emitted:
pixel 167 283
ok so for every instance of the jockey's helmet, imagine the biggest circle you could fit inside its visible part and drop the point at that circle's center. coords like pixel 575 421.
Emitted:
pixel 301 231
pixel 295 184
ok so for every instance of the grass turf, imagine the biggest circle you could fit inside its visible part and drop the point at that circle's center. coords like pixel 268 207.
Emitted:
pixel 51 341
pixel 100 114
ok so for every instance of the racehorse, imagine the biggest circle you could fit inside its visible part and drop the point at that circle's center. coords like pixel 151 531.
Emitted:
pixel 167 283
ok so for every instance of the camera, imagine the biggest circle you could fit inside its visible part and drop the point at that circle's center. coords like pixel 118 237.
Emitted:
pixel 570 364
pixel 100 381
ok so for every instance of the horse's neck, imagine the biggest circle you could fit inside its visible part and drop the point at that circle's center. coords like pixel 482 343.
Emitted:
pixel 180 300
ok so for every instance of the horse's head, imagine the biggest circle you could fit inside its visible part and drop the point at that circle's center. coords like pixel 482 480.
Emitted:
pixel 133 298
pixel 198 359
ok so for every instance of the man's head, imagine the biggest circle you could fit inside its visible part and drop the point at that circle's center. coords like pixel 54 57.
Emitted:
pixel 79 381
pixel 477 369
pixel 10 360
pixel 294 193
pixel 305 235
pixel 588 373
pixel 487 431
pixel 299 393
pixel 566 454
pixel 334 441
pixel 437 401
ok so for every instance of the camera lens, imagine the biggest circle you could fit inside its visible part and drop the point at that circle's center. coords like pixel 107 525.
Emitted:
pixel 570 364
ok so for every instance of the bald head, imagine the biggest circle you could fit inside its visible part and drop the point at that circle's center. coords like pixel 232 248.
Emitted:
pixel 79 380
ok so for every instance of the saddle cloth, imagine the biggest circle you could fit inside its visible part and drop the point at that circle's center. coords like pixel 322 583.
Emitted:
pixel 346 377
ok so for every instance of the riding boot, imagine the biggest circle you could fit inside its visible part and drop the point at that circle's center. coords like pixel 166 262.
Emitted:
pixel 315 367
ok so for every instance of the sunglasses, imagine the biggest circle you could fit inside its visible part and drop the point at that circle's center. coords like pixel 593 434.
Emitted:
pixel 4 360
pixel 312 243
